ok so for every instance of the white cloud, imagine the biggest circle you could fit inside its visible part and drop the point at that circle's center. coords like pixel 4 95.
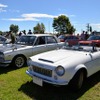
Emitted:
pixel 37 15
pixel 32 17
pixel 22 19
pixel 2 8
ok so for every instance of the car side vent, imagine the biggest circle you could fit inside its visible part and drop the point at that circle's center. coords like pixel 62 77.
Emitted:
pixel 45 60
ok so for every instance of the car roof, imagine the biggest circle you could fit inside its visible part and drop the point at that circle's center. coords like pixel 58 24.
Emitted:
pixel 39 35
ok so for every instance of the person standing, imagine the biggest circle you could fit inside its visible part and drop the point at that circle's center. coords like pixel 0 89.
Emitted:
pixel 12 36
pixel 20 33
pixel 29 32
pixel 83 35
pixel 86 35
pixel 24 32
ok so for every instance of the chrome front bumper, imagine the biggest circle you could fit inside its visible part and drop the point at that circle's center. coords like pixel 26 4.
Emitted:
pixel 47 80
pixel 5 64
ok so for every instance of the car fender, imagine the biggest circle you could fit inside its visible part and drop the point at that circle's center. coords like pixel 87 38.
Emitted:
pixel 76 69
pixel 71 71
pixel 80 67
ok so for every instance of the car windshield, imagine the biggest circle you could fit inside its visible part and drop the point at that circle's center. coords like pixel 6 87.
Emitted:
pixel 79 47
pixel 26 40
pixel 94 38
pixel 61 37
pixel 2 39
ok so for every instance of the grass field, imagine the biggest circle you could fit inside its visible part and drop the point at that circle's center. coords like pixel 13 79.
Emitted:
pixel 16 85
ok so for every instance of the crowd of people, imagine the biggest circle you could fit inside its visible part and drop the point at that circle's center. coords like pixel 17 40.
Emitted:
pixel 12 35
pixel 24 32
pixel 83 36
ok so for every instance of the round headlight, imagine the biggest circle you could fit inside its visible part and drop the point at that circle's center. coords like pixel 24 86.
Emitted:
pixel 29 62
pixel 60 70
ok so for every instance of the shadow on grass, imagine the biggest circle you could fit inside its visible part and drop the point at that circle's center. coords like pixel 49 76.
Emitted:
pixel 4 70
pixel 50 92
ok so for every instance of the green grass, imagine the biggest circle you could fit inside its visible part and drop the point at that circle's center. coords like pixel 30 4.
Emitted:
pixel 16 85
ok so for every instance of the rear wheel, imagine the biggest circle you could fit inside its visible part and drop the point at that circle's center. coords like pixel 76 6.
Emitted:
pixel 77 81
pixel 19 61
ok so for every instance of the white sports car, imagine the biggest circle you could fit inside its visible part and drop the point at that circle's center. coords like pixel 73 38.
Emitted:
pixel 66 66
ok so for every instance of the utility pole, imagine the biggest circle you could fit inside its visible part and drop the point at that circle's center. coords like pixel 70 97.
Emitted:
pixel 88 28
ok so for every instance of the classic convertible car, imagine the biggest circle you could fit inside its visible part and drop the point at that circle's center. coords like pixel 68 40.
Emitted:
pixel 65 66
pixel 26 46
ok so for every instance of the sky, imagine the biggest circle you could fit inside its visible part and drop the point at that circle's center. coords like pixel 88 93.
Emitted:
pixel 27 13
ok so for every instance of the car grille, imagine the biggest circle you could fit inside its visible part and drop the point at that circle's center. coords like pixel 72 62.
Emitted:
pixel 42 71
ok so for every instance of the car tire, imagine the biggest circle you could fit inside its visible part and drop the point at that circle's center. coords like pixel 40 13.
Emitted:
pixel 77 81
pixel 19 61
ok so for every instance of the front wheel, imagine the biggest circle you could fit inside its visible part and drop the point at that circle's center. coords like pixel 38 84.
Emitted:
pixel 77 81
pixel 19 61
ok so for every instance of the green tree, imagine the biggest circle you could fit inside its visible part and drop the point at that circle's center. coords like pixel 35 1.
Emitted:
pixel 1 32
pixel 39 28
pixel 62 25
pixel 14 28
pixel 71 30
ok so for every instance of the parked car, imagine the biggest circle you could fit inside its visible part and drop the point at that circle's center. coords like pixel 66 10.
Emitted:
pixel 62 38
pixel 71 39
pixel 3 40
pixel 94 39
pixel 26 46
pixel 65 66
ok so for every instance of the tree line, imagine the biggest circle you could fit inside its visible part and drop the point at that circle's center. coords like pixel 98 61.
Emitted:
pixel 61 25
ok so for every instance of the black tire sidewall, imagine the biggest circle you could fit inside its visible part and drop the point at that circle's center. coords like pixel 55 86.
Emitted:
pixel 74 83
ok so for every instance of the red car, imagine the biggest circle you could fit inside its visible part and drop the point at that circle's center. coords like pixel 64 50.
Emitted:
pixel 62 38
pixel 71 39
pixel 92 39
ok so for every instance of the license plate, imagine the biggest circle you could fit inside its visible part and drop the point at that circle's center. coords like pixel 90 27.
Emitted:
pixel 37 81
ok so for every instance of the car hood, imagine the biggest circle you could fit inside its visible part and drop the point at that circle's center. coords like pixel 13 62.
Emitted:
pixel 7 47
pixel 58 56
